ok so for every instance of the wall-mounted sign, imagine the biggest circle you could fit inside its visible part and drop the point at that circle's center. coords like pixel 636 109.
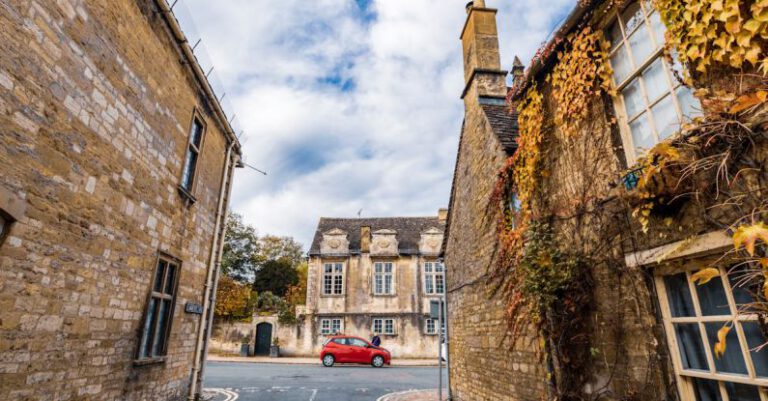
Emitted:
pixel 193 308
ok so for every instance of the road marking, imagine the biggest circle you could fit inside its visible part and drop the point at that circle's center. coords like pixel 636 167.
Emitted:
pixel 231 395
pixel 386 396
pixel 314 394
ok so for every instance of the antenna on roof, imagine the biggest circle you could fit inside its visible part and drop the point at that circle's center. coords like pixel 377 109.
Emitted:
pixel 254 168
pixel 359 212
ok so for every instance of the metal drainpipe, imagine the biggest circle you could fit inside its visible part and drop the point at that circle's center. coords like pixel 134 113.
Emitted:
pixel 215 285
pixel 210 281
pixel 447 330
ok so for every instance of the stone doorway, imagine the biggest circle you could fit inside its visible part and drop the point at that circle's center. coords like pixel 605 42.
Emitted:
pixel 263 338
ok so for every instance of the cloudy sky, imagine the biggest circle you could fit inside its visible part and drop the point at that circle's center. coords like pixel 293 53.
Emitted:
pixel 349 104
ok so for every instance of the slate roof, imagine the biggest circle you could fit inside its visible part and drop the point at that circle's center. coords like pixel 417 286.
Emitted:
pixel 408 229
pixel 503 120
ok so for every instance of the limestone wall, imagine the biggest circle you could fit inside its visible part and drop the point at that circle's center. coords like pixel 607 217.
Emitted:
pixel 95 109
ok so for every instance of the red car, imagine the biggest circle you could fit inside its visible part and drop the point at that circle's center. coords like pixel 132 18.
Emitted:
pixel 346 349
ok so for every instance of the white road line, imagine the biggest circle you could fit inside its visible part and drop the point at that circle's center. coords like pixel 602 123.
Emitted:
pixel 386 396
pixel 231 395
pixel 314 394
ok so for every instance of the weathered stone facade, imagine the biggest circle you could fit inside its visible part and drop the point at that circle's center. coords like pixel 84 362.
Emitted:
pixel 96 103
pixel 633 349
pixel 405 249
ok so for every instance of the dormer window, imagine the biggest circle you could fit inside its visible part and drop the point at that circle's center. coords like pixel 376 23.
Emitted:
pixel 651 103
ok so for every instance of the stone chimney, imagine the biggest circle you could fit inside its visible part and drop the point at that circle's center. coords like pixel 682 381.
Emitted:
pixel 365 239
pixel 483 75
pixel 442 215
pixel 518 69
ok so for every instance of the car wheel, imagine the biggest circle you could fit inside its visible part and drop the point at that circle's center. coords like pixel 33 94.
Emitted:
pixel 328 361
pixel 378 361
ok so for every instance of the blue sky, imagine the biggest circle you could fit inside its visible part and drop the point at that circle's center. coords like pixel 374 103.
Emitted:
pixel 350 104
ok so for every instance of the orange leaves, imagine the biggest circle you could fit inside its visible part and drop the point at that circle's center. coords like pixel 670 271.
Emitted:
pixel 748 235
pixel 720 344
pixel 748 101
pixel 582 70
pixel 704 275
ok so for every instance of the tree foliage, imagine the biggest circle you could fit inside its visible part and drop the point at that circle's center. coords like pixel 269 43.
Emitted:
pixel 275 276
pixel 241 249
pixel 233 299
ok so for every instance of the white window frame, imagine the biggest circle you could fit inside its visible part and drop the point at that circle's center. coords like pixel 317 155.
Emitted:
pixel 331 326
pixel 383 278
pixel 434 277
pixel 431 331
pixel 686 376
pixel 332 279
pixel 383 324
pixel 638 67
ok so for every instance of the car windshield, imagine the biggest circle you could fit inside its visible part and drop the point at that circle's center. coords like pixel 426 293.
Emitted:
pixel 357 342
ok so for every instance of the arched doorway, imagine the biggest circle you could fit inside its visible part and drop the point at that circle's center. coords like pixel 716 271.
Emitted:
pixel 263 338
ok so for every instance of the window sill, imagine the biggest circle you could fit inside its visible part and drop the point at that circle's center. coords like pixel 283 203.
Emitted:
pixel 332 295
pixel 190 200
pixel 385 295
pixel 149 361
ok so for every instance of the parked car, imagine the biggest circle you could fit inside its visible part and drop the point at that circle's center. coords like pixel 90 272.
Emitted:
pixel 347 349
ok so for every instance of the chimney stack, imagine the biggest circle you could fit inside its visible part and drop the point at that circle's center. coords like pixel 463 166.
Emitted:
pixel 442 215
pixel 518 69
pixel 483 75
pixel 365 239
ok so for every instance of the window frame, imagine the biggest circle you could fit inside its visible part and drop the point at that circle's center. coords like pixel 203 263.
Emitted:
pixel 7 223
pixel 637 70
pixel 432 277
pixel 161 296
pixel 188 192
pixel 383 321
pixel 383 274
pixel 333 276
pixel 434 322
pixel 685 376
pixel 331 321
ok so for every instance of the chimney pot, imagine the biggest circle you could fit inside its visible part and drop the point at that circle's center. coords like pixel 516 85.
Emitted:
pixel 442 215
pixel 469 6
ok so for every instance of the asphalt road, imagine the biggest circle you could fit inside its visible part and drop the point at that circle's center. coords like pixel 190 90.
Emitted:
pixel 277 382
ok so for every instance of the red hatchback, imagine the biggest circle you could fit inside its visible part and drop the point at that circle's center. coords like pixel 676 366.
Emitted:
pixel 345 349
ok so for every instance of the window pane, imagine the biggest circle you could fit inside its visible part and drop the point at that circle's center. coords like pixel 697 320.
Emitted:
pixel 742 392
pixel 439 282
pixel 159 275
pixel 632 17
pixel 712 298
pixel 640 44
pixel 197 133
pixel 161 329
pixel 755 338
pixel 656 84
pixel 337 286
pixel 614 34
pixel 658 29
pixel 377 267
pixel 377 284
pixel 388 267
pixel 679 294
pixel 145 333
pixel 732 361
pixel 189 169
pixel 328 268
pixel 642 136
pixel 689 104
pixel 691 349
pixel 170 280
pixel 438 267
pixel 388 284
pixel 706 390
pixel 429 284
pixel 740 286
pixel 428 267
pixel 620 64
pixel 339 267
pixel 665 118
pixel 633 98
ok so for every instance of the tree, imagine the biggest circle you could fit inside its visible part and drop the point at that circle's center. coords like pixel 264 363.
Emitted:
pixel 275 276
pixel 242 249
pixel 272 247
pixel 296 294
pixel 233 300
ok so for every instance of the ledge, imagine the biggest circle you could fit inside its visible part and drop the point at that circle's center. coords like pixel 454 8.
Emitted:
pixel 697 245
pixel 186 195
pixel 149 361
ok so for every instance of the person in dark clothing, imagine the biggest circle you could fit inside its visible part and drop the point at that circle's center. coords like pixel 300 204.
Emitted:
pixel 375 340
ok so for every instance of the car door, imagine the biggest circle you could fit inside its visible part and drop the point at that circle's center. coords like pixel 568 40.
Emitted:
pixel 360 353
pixel 342 351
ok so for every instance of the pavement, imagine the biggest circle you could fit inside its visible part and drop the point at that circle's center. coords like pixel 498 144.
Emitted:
pixel 309 361
pixel 233 381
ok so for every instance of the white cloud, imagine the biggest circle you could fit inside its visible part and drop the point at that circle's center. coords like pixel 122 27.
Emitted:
pixel 387 143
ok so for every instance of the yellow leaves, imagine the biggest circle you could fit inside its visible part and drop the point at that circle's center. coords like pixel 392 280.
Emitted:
pixel 748 235
pixel 748 101
pixel 707 31
pixel 720 344
pixel 704 275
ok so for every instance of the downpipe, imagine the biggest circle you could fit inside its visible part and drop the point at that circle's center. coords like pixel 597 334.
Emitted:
pixel 211 280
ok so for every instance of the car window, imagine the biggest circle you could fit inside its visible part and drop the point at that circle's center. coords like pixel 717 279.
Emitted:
pixel 340 341
pixel 357 342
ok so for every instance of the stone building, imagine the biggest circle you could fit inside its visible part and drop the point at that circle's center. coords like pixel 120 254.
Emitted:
pixel 371 275
pixel 619 180
pixel 116 161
